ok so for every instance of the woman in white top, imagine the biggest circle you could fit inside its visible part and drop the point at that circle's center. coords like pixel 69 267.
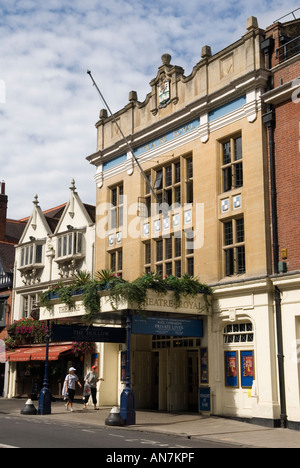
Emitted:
pixel 70 382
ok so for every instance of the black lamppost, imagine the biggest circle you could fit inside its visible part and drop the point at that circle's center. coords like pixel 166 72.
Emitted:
pixel 45 394
pixel 127 407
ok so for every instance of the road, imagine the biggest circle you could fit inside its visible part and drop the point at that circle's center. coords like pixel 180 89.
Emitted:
pixel 25 432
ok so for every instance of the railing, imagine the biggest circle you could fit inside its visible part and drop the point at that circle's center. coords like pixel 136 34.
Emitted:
pixel 285 16
pixel 288 50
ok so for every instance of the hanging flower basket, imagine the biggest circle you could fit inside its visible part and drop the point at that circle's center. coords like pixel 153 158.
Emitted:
pixel 81 348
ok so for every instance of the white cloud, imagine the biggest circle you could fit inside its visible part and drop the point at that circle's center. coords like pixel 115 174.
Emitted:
pixel 47 123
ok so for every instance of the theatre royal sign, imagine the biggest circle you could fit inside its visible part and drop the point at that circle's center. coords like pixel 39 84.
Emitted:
pixel 154 303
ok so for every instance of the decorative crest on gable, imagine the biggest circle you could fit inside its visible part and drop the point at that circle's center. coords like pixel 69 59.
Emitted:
pixel 164 86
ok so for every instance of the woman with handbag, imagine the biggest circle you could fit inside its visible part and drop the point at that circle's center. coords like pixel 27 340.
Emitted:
pixel 91 388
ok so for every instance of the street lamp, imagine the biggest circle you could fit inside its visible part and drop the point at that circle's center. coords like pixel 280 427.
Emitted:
pixel 45 394
pixel 127 407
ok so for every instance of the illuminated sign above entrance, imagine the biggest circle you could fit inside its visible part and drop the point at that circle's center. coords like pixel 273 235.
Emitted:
pixel 167 327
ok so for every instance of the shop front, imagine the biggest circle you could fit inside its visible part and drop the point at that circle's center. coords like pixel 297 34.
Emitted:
pixel 168 358
pixel 27 364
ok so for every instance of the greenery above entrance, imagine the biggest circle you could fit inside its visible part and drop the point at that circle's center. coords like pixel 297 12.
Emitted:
pixel 118 290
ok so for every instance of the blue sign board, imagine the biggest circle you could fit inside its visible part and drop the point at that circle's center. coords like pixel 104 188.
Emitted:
pixel 204 399
pixel 167 327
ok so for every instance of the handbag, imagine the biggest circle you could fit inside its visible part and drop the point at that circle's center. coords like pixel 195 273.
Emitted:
pixel 86 389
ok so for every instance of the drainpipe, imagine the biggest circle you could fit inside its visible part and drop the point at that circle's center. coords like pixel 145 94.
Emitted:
pixel 267 46
pixel 280 358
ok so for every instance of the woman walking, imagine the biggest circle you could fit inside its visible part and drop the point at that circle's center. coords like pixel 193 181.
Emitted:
pixel 91 381
pixel 70 382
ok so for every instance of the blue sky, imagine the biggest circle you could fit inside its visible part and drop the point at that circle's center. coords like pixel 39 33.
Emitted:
pixel 47 123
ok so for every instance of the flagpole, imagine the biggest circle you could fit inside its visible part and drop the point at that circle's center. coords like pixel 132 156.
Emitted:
pixel 125 139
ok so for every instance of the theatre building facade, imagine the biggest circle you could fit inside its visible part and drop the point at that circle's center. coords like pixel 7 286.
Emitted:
pixel 193 197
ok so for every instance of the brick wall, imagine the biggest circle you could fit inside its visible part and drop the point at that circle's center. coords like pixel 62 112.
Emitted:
pixel 287 138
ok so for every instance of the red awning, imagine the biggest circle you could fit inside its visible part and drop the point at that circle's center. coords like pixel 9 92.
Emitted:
pixel 37 354
pixel 19 355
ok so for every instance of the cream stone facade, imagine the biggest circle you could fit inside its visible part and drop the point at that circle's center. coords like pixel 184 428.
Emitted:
pixel 201 144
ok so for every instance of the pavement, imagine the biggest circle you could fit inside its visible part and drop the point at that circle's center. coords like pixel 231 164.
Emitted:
pixel 185 425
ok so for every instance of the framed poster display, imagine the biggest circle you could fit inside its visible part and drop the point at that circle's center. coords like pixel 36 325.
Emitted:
pixel 247 368
pixel 231 369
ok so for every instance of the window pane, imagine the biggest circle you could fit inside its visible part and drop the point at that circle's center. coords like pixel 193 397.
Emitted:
pixel 189 192
pixel 240 234
pixel 22 257
pixel 113 218
pixel 190 266
pixel 168 180
pixel 38 253
pixel 241 268
pixel 121 195
pixel 71 244
pixel 226 153
pixel 148 207
pixel 178 269
pixel 114 197
pixel 229 262
pixel 158 181
pixel 159 251
pixel 168 197
pixel 227 179
pixel 79 243
pixel 120 216
pixel 113 261
pixel 147 254
pixel 177 247
pixel 31 255
pixel 148 185
pixel 65 246
pixel 189 163
pixel 238 150
pixel 169 249
pixel 27 256
pixel 238 175
pixel 177 173
pixel 169 268
pixel 178 195
pixel 120 260
pixel 59 250
pixel 228 233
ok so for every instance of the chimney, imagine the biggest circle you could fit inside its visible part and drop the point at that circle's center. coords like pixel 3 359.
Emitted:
pixel 3 212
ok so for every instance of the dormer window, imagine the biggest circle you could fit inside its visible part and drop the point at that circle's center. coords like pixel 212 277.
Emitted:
pixel 32 255
pixel 70 245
